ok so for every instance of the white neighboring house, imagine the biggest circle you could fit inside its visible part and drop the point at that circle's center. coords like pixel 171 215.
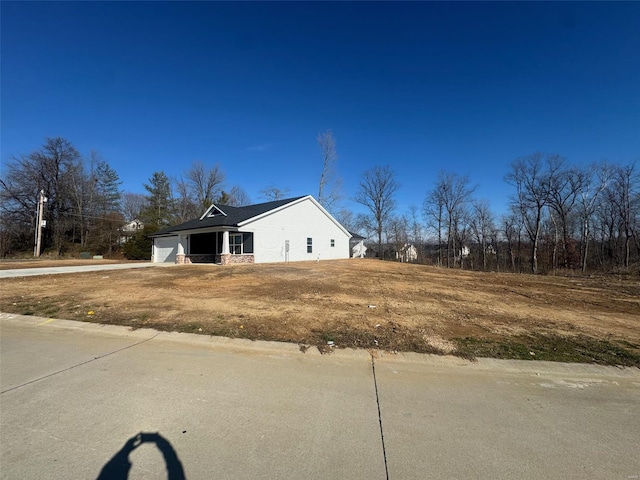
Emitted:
pixel 358 249
pixel 288 230
pixel 407 254
pixel 128 230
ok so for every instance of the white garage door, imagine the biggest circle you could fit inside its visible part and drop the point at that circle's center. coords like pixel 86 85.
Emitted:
pixel 166 249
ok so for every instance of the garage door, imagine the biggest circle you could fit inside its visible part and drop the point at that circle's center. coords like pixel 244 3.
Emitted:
pixel 166 249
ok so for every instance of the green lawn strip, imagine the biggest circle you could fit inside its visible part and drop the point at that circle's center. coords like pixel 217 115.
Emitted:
pixel 555 348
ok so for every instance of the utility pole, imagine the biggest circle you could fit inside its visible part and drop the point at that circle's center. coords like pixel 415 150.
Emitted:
pixel 39 224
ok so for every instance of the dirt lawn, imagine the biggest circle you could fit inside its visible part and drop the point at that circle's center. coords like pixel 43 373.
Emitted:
pixel 358 303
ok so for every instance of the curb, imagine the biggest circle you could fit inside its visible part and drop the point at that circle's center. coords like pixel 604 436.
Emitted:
pixel 273 348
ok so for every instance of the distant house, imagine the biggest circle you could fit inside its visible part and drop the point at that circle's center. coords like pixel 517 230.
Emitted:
pixel 407 254
pixel 128 230
pixel 358 249
pixel 294 229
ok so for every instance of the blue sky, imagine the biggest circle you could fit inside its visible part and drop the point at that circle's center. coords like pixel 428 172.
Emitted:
pixel 422 87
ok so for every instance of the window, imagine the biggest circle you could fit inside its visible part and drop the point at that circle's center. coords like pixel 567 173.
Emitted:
pixel 309 245
pixel 333 243
pixel 235 243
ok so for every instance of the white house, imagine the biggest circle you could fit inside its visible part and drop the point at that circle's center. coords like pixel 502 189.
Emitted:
pixel 288 230
pixel 358 249
pixel 128 230
pixel 407 254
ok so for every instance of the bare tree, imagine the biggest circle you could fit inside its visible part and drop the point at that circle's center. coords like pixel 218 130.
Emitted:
pixel 362 224
pixel 204 184
pixel 185 207
pixel 132 205
pixel 82 190
pixel 330 185
pixel 398 236
pixel 416 231
pixel 531 179
pixel 446 204
pixel 271 192
pixel 433 209
pixel 482 225
pixel 623 194
pixel 377 189
pixel 346 219
pixel 94 190
pixel 238 197
pixel 45 169
pixel 83 197
pixel 594 181
pixel 564 185
pixel 512 225
pixel 608 229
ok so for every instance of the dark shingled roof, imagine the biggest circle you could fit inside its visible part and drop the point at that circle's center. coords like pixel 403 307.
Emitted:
pixel 234 216
pixel 355 236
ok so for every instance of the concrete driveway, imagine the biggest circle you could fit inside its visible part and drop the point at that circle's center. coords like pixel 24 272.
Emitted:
pixel 79 400
pixel 29 272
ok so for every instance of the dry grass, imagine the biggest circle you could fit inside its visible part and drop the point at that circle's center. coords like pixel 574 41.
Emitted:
pixel 358 303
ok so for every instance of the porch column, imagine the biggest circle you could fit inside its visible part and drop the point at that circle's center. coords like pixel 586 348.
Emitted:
pixel 225 242
pixel 180 256
pixel 225 256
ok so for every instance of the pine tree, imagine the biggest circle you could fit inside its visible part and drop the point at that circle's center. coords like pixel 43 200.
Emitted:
pixel 160 204
pixel 107 188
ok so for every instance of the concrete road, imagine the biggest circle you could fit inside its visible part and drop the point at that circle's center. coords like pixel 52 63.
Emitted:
pixel 29 272
pixel 75 397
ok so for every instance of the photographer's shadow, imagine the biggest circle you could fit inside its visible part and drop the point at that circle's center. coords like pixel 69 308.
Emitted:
pixel 119 466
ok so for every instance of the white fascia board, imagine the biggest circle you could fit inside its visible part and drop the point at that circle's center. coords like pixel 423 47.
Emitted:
pixel 287 205
pixel 209 211
pixel 164 235
pixel 204 230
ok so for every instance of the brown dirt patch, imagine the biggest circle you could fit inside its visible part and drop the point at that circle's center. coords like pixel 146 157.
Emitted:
pixel 358 303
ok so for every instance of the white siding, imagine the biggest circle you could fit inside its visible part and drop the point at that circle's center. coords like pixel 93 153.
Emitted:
pixel 295 223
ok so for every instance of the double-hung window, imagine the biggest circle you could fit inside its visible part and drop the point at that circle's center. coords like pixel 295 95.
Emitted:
pixel 309 245
pixel 235 243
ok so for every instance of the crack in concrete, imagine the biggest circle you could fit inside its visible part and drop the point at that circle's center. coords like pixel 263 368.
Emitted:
pixel 78 365
pixel 375 384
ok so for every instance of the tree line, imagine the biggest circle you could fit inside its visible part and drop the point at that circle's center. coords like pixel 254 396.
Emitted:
pixel 561 216
pixel 85 208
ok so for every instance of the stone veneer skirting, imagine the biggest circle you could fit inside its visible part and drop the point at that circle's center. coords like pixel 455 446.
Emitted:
pixel 182 259
pixel 222 259
pixel 229 259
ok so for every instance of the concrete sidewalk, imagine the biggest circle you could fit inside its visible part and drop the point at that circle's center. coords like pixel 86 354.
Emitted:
pixel 29 272
pixel 73 395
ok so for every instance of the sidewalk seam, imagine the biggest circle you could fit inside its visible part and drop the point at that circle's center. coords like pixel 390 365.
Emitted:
pixel 79 364
pixel 375 384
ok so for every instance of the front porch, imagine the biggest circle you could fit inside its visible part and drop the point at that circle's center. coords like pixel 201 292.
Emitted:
pixel 224 247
